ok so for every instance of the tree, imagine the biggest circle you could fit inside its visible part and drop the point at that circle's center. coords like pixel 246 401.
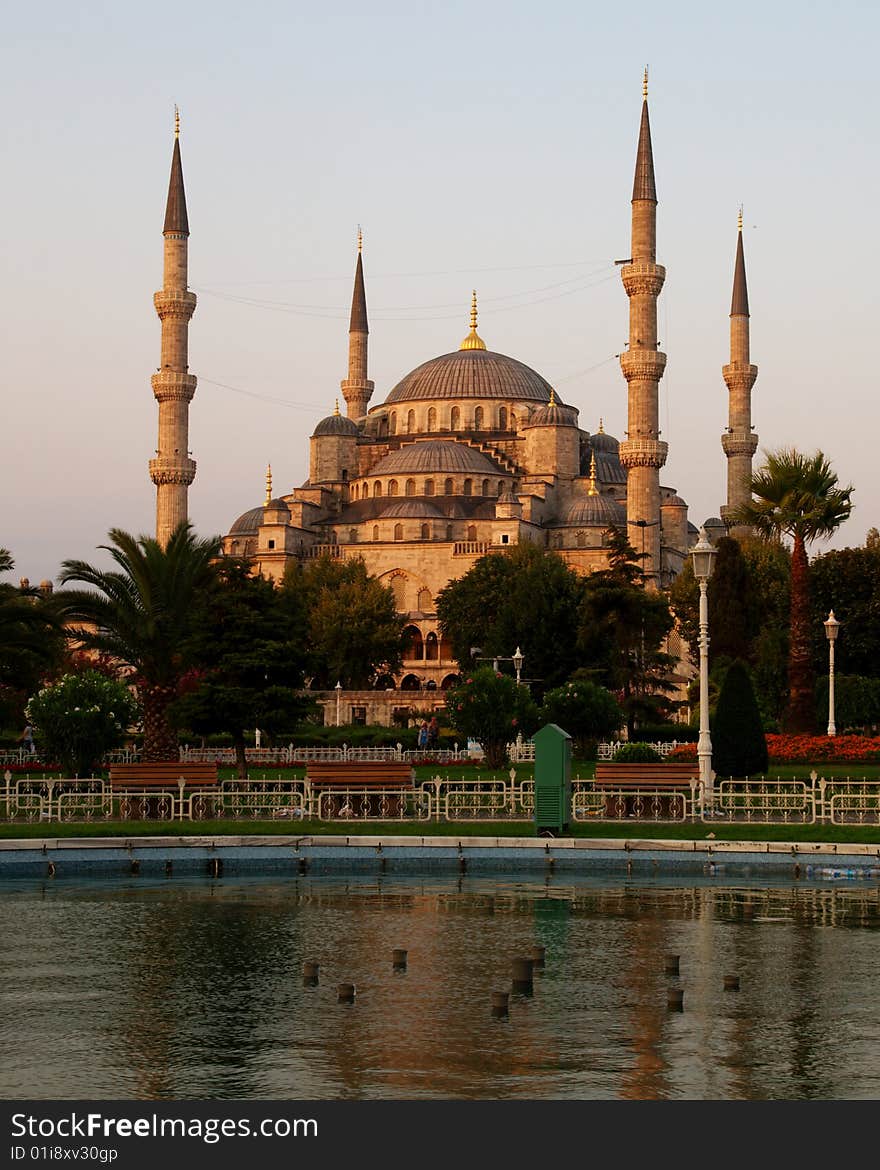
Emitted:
pixel 525 597
pixel 142 615
pixel 81 717
pixel 491 708
pixel 586 711
pixel 797 496
pixel 621 630
pixel 248 641
pixel 738 744
pixel 354 630
pixel 847 580
pixel 31 643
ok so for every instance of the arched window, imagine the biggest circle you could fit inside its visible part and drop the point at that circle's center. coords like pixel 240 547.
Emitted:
pixel 413 646
pixel 478 418
pixel 468 487
pixel 365 490
pixel 410 487
pixel 352 536
pixel 472 532
pixel 455 419
pixel 383 426
pixel 447 487
pixel 377 488
pixel 432 650
pixel 502 418
pixel 411 421
pixel 426 532
pixel 392 425
pixel 432 419
pixel 449 532
pixel 375 532
pixel 581 540
pixel 398 588
pixel 392 487
pixel 410 683
pixel 398 532
pixel 500 486
pixel 485 487
pixel 425 602
pixel 451 680
pixel 429 487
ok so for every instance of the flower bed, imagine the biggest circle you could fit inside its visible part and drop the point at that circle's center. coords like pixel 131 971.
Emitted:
pixel 804 749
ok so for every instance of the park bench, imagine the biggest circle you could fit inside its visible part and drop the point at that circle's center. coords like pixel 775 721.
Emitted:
pixel 149 783
pixel 646 790
pixel 352 788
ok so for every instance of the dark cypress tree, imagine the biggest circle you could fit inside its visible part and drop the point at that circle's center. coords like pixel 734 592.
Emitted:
pixel 738 744
pixel 733 619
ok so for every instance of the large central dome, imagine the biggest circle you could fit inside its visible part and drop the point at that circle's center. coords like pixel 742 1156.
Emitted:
pixel 471 373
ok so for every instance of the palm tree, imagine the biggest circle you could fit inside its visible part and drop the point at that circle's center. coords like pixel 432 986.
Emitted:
pixel 140 614
pixel 31 641
pixel 797 496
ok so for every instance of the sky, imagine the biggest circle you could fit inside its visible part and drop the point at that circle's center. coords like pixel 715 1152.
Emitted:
pixel 479 145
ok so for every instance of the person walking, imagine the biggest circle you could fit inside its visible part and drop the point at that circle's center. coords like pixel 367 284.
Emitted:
pixel 423 735
pixel 433 733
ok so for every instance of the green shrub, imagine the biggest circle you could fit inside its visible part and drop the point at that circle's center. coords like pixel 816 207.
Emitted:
pixel 665 733
pixel 637 753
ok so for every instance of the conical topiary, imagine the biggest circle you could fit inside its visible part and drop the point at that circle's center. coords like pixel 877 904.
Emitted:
pixel 738 744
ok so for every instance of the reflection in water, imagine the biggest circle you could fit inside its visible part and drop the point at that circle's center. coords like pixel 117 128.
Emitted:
pixel 193 990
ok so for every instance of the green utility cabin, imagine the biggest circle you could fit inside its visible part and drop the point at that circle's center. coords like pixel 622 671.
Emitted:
pixel 552 779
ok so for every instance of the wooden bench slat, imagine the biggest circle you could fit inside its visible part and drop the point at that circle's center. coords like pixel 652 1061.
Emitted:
pixel 163 775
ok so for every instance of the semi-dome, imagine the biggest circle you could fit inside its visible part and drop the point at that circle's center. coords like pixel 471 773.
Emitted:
pixel 411 509
pixel 595 511
pixel 609 469
pixel 435 455
pixel 471 373
pixel 247 523
pixel 336 424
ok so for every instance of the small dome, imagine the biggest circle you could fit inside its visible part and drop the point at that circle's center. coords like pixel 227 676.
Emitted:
pixel 277 506
pixel 435 455
pixel 674 501
pixel 554 414
pixel 336 424
pixel 412 509
pixel 595 512
pixel 600 442
pixel 247 523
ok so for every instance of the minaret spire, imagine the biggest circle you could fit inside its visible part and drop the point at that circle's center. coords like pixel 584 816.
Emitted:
pixel 172 471
pixel 473 339
pixel 739 441
pixel 357 387
pixel 643 454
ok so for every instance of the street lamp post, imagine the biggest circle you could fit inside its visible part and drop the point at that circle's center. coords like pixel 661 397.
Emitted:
pixel 518 658
pixel 703 555
pixel 338 689
pixel 832 625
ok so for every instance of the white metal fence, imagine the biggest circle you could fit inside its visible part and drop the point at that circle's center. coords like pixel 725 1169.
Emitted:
pixel 768 801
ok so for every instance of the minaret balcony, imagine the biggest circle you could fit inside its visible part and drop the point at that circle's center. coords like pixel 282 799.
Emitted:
pixel 175 302
pixel 733 443
pixel 739 375
pixel 643 365
pixel 174 469
pixel 173 386
pixel 643 278
pixel 643 453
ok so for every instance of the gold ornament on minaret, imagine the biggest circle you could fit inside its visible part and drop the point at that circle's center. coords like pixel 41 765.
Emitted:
pixel 268 485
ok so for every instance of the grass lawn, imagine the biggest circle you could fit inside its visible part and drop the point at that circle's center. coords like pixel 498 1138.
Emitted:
pixel 845 834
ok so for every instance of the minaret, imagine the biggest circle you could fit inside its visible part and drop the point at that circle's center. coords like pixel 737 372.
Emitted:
pixel 357 387
pixel 642 454
pixel 739 442
pixel 172 471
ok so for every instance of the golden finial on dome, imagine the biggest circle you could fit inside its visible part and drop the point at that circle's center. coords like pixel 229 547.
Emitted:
pixel 601 426
pixel 176 121
pixel 473 339
pixel 360 239
pixel 268 484
pixel 593 490
pixel 336 409
pixel 552 396
pixel 645 85
pixel 739 219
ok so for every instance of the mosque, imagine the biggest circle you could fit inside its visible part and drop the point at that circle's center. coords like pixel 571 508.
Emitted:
pixel 471 452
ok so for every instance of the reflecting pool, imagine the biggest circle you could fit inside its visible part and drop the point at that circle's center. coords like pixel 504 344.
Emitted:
pixel 194 989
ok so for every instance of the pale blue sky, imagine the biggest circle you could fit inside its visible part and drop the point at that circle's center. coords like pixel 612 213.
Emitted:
pixel 486 145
